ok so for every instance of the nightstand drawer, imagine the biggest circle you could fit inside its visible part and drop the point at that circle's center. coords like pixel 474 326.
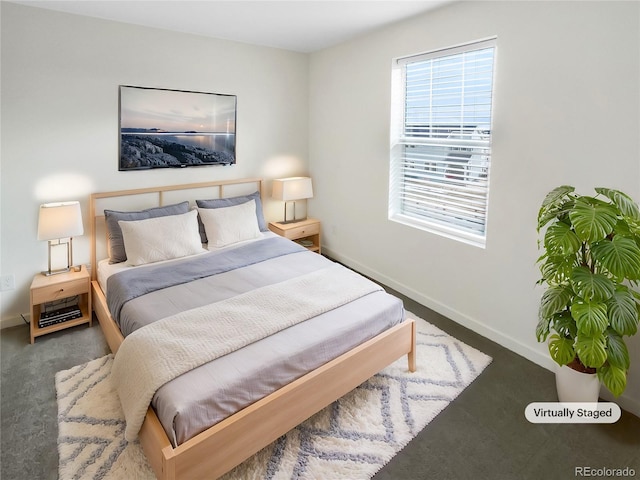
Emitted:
pixel 303 231
pixel 54 292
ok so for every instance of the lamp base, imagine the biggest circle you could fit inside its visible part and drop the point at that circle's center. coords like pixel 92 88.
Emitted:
pixel 48 273
pixel 295 220
pixel 66 269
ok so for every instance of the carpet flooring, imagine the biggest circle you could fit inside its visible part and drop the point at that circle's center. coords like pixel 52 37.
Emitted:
pixel 349 440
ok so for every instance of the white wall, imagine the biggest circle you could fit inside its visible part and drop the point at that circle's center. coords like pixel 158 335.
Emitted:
pixel 566 111
pixel 60 77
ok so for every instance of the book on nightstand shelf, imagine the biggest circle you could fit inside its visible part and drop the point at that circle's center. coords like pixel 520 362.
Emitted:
pixel 59 316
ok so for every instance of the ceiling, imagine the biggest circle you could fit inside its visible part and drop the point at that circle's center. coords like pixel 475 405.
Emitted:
pixel 297 25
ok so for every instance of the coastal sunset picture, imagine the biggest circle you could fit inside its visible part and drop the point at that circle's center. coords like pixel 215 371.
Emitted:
pixel 161 128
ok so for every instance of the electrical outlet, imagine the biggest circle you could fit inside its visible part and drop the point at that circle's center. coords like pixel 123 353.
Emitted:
pixel 7 282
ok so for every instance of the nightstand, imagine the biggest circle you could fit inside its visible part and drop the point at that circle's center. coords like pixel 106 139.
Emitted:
pixel 304 230
pixel 57 288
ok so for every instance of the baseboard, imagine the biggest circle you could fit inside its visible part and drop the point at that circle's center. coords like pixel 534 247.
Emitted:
pixel 625 402
pixel 631 405
pixel 13 321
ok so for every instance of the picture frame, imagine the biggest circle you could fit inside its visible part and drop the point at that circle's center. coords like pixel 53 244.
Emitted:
pixel 164 128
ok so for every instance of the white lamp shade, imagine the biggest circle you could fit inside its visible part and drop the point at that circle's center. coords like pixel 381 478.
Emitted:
pixel 59 220
pixel 293 188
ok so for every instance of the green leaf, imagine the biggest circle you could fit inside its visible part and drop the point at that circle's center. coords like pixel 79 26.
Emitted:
pixel 561 349
pixel 593 287
pixel 553 204
pixel 591 350
pixel 542 329
pixel 564 324
pixel 623 311
pixel 561 240
pixel 554 300
pixel 614 378
pixel 624 202
pixel 592 219
pixel 623 229
pixel 634 228
pixel 617 353
pixel 557 269
pixel 620 257
pixel 556 194
pixel 591 317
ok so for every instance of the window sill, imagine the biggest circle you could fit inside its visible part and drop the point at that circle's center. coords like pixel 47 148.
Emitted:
pixel 439 229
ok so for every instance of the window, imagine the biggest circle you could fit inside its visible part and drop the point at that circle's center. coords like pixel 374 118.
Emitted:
pixel 441 140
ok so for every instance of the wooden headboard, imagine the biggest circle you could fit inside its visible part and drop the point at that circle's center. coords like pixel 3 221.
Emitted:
pixel 141 198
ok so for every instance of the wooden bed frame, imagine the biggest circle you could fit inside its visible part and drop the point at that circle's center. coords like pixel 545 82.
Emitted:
pixel 225 445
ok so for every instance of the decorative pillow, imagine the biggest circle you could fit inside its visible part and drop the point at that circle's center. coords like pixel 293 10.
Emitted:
pixel 227 225
pixel 230 202
pixel 117 252
pixel 161 238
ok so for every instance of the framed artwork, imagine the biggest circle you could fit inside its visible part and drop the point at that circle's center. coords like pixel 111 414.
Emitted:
pixel 161 128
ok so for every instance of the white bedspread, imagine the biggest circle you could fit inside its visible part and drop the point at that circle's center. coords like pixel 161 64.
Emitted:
pixel 157 353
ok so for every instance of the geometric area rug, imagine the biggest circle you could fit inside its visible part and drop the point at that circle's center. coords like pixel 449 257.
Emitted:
pixel 352 438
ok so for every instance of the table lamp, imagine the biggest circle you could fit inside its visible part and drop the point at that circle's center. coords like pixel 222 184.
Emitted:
pixel 292 189
pixel 58 221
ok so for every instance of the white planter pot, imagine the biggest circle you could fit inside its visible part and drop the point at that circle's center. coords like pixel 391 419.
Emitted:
pixel 576 386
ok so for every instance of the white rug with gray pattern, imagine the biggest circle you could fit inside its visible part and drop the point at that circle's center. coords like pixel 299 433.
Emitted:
pixel 350 439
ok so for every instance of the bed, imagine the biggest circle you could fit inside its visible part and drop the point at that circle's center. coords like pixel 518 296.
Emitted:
pixel 337 335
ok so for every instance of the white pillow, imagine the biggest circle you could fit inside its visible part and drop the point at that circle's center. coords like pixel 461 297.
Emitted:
pixel 161 238
pixel 227 225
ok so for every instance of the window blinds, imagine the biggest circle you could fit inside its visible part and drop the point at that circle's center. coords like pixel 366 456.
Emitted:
pixel 441 140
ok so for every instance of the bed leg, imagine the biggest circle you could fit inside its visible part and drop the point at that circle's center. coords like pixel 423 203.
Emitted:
pixel 168 464
pixel 411 356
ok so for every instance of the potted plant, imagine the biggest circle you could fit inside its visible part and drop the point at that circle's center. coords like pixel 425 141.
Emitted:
pixel 591 268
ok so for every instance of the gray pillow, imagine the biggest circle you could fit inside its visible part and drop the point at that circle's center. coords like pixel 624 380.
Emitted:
pixel 117 253
pixel 232 202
